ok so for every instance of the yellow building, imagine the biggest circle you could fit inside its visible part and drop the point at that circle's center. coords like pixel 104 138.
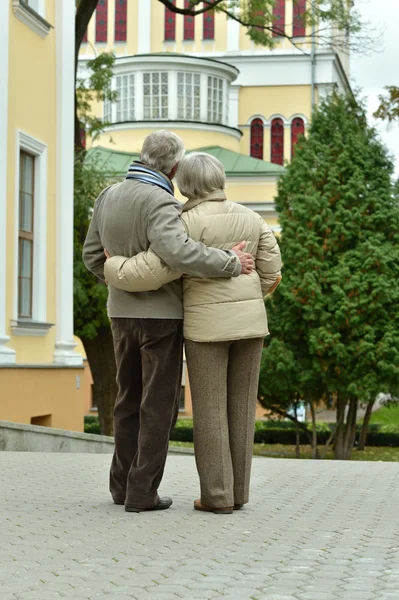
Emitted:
pixel 41 376
pixel 207 81
pixel 204 79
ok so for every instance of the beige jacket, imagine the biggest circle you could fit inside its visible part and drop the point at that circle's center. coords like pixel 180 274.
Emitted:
pixel 128 218
pixel 214 309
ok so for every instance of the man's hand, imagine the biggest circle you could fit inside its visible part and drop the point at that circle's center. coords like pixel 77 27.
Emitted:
pixel 246 260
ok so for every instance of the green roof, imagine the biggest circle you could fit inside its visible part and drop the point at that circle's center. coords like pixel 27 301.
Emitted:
pixel 235 164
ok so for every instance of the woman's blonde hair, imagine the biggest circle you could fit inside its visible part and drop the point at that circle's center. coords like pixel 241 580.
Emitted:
pixel 200 174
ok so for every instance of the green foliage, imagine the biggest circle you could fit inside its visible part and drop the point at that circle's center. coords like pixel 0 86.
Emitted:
pixel 335 317
pixel 389 105
pixel 257 17
pixel 386 415
pixel 92 425
pixel 95 88
pixel 90 295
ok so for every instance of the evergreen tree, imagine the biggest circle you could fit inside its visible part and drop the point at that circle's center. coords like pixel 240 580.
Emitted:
pixel 337 308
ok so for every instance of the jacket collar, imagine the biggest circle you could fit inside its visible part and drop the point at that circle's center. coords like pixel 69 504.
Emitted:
pixel 216 196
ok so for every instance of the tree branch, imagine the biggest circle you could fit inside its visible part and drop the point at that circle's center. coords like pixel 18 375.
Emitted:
pixel 191 12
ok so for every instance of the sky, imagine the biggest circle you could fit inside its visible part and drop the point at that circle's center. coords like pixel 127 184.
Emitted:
pixel 371 73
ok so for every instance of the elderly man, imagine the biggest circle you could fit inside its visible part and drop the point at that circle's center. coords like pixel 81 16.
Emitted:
pixel 147 327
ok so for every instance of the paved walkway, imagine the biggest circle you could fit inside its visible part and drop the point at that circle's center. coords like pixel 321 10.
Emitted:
pixel 313 531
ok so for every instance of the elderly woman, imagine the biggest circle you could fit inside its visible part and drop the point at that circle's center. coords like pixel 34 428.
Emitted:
pixel 224 326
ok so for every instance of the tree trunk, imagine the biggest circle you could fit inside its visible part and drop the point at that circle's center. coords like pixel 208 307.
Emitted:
pixel 297 435
pixel 315 452
pixel 84 12
pixel 350 432
pixel 339 450
pixel 332 437
pixel 100 354
pixel 365 426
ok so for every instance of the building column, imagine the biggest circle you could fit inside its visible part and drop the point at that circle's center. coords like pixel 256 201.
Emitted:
pixel 144 27
pixel 287 142
pixel 7 355
pixel 233 36
pixel 234 105
pixel 65 36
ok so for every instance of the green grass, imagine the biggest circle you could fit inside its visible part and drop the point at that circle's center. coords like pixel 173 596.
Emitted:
pixel 283 451
pixel 387 415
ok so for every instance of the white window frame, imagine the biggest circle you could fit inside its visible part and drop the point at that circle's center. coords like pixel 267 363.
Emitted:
pixel 36 326
pixel 160 83
pixel 111 109
pixel 219 118
pixel 33 15
pixel 186 86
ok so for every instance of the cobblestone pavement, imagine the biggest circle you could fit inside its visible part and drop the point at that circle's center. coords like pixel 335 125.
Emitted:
pixel 313 531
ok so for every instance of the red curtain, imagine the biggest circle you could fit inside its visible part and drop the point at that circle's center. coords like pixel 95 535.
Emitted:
pixel 170 23
pixel 277 145
pixel 189 25
pixel 257 138
pixel 297 129
pixel 102 21
pixel 120 20
pixel 209 25
pixel 299 25
pixel 279 18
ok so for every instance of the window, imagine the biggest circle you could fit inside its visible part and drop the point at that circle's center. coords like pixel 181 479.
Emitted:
pixel 209 25
pixel 299 25
pixel 155 95
pixel 257 138
pixel 25 234
pixel 279 18
pixel 215 100
pixel 297 129
pixel 102 21
pixel 170 24
pixel 125 100
pixel 120 20
pixel 277 145
pixel 107 116
pixel 188 96
pixel 189 25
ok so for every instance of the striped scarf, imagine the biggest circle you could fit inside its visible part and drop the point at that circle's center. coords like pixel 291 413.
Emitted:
pixel 140 172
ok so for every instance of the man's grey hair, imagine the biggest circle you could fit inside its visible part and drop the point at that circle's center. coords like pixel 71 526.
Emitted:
pixel 200 174
pixel 162 150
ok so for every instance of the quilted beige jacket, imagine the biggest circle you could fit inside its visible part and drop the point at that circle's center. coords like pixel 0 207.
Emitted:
pixel 215 310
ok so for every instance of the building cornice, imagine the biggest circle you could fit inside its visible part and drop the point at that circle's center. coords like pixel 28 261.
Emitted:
pixel 166 124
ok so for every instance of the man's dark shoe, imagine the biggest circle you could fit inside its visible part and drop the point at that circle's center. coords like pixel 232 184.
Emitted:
pixel 163 504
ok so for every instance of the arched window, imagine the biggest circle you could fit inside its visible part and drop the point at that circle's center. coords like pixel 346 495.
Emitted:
pixel 120 20
pixel 297 129
pixel 299 25
pixel 209 25
pixel 277 141
pixel 279 18
pixel 170 24
pixel 257 138
pixel 189 25
pixel 102 21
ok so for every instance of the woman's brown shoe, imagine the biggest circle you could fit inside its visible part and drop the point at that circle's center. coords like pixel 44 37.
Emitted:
pixel 218 511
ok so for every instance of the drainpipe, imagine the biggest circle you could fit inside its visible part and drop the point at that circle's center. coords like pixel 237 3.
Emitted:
pixel 313 58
